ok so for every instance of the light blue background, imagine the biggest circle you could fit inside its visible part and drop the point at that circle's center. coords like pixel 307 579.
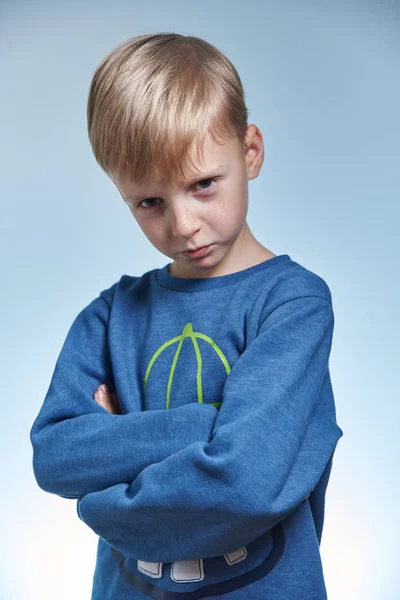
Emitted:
pixel 322 83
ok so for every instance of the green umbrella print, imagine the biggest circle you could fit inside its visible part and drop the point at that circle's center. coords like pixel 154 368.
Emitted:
pixel 194 336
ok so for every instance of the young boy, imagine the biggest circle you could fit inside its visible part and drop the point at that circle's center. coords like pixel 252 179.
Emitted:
pixel 208 478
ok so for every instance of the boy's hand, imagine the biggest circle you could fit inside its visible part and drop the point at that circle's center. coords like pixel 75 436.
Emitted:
pixel 108 400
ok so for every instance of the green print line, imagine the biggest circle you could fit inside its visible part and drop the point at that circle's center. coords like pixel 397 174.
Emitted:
pixel 186 333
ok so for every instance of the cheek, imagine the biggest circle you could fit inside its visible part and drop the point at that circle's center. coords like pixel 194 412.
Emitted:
pixel 150 229
pixel 231 210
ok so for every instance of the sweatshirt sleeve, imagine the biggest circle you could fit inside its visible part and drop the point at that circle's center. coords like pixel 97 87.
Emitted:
pixel 78 446
pixel 272 439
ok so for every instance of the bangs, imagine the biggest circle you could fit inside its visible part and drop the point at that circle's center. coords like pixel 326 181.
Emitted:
pixel 154 100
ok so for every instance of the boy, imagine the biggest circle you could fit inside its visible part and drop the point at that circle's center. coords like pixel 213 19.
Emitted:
pixel 208 478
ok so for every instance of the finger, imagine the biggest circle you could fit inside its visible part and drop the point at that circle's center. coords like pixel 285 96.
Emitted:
pixel 102 393
pixel 99 397
pixel 99 391
pixel 108 401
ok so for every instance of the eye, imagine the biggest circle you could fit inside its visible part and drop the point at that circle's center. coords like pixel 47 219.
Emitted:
pixel 147 200
pixel 212 179
pixel 204 189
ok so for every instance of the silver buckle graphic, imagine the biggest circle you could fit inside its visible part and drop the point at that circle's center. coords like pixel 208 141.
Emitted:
pixel 234 557
pixel 186 571
pixel 153 569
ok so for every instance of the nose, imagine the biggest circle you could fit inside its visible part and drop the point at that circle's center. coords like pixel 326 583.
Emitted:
pixel 184 222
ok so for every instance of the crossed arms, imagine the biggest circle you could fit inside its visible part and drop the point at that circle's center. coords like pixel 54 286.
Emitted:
pixel 193 481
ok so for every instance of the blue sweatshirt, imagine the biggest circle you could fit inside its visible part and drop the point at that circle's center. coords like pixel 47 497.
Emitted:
pixel 212 481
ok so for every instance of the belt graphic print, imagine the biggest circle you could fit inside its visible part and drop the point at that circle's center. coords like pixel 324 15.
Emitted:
pixel 192 570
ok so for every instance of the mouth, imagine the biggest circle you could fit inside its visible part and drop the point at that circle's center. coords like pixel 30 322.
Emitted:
pixel 198 253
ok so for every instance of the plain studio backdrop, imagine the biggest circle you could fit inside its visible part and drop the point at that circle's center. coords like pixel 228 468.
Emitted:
pixel 322 84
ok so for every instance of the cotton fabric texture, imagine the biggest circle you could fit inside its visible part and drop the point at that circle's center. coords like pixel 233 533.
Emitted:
pixel 212 481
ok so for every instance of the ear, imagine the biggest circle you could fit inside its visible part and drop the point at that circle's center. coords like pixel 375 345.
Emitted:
pixel 255 151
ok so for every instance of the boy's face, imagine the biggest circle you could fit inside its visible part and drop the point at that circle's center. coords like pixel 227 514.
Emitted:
pixel 208 210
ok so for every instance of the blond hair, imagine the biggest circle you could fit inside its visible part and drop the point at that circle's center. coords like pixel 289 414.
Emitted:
pixel 154 97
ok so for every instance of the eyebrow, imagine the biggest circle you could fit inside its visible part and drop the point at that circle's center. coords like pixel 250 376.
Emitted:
pixel 205 175
pixel 209 174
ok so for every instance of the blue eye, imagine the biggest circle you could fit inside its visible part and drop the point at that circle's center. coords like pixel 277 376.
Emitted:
pixel 203 180
pixel 147 200
pixel 206 189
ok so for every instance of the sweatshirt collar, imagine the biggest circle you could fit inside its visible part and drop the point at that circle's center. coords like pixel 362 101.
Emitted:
pixel 199 284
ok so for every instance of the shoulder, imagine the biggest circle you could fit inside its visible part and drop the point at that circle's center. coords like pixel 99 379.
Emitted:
pixel 124 286
pixel 294 282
